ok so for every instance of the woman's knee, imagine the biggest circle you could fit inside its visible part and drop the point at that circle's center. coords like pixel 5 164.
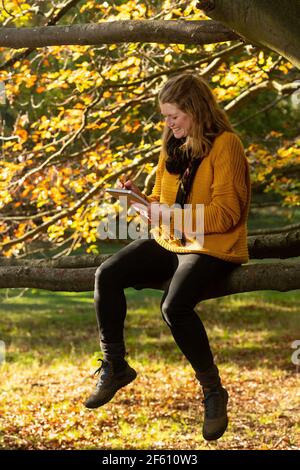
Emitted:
pixel 176 311
pixel 169 311
pixel 104 274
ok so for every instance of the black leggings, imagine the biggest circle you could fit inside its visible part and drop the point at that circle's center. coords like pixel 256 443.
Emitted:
pixel 143 261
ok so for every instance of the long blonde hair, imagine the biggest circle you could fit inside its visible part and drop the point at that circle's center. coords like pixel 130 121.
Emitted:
pixel 192 95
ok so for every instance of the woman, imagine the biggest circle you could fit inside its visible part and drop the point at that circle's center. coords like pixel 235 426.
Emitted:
pixel 202 162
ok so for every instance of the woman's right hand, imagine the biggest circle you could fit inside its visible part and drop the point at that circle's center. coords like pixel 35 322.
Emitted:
pixel 128 184
pixel 123 183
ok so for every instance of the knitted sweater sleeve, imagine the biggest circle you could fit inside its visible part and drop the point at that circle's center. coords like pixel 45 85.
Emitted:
pixel 155 195
pixel 229 190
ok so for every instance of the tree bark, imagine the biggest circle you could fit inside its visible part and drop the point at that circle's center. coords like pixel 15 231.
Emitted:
pixel 271 231
pixel 277 245
pixel 283 276
pixel 280 245
pixel 274 24
pixel 114 32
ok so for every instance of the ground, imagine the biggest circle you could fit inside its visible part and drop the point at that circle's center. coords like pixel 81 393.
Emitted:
pixel 52 348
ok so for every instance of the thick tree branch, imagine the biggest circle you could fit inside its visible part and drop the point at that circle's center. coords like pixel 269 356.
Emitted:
pixel 114 32
pixel 282 276
pixel 282 245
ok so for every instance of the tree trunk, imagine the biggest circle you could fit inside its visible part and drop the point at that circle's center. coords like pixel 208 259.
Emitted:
pixel 274 24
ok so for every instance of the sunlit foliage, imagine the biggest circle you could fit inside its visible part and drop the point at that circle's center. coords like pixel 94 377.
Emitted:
pixel 73 118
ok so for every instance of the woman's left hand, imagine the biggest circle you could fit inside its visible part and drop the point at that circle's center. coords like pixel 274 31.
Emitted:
pixel 159 212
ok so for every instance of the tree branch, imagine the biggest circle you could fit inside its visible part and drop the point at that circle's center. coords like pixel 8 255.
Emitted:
pixel 62 12
pixel 244 96
pixel 278 230
pixel 282 277
pixel 115 32
pixel 221 54
pixel 68 212
pixel 263 110
pixel 282 245
pixel 285 90
pixel 58 157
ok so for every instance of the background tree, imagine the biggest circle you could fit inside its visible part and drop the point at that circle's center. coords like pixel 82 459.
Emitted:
pixel 75 117
pixel 273 24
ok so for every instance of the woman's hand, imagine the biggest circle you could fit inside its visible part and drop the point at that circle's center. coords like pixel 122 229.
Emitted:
pixel 158 213
pixel 129 184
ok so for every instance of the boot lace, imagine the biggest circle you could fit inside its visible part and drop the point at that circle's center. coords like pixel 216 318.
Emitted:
pixel 97 371
pixel 104 372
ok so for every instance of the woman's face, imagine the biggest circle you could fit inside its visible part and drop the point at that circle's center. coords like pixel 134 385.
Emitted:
pixel 177 120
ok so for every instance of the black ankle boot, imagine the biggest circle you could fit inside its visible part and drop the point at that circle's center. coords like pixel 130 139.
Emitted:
pixel 215 404
pixel 215 413
pixel 109 382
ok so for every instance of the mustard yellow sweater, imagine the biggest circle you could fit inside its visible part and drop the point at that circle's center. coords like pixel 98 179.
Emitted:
pixel 222 185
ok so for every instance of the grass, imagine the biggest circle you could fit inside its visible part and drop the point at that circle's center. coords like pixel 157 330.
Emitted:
pixel 273 217
pixel 52 347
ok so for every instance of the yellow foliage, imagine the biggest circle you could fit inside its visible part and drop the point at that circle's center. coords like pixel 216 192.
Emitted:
pixel 168 58
pixel 52 91
pixel 22 133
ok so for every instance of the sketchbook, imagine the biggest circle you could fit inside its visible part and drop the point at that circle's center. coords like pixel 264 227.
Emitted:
pixel 134 197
